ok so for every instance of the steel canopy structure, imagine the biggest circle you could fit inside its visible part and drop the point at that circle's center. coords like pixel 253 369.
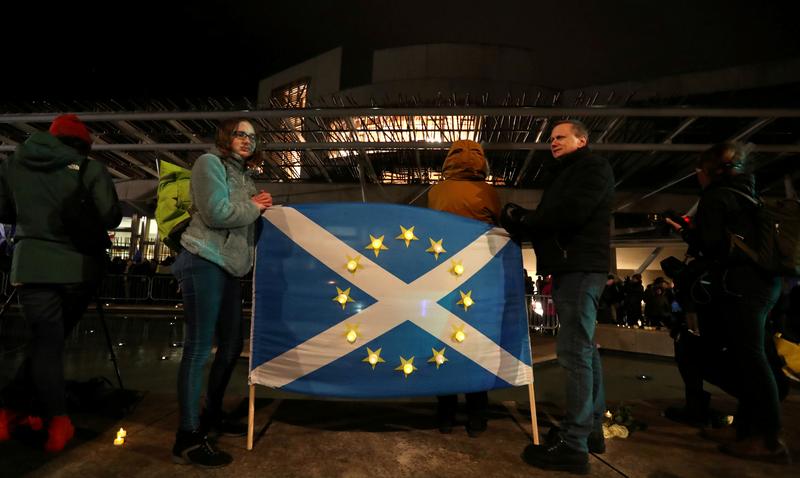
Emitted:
pixel 647 146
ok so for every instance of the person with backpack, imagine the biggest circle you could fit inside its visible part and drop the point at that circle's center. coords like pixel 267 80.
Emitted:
pixel 54 275
pixel 742 294
pixel 218 249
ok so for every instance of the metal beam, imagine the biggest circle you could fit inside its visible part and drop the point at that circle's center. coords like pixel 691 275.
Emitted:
pixel 380 146
pixel 31 130
pixel 362 152
pixel 101 145
pixel 134 131
pixel 184 130
pixel 415 111
pixel 752 129
pixel 311 153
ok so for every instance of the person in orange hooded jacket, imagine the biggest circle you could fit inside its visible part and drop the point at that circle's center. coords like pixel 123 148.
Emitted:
pixel 464 192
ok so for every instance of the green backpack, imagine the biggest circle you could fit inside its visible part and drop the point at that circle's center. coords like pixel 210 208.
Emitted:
pixel 174 204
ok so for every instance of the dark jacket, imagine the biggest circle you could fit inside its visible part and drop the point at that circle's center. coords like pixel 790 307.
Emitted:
pixel 571 227
pixel 719 213
pixel 34 183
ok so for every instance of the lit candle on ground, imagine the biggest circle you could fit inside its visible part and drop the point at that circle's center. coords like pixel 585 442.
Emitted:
pixel 119 441
pixel 122 433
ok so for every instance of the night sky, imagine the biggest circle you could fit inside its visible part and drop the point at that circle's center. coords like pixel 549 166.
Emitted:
pixel 144 49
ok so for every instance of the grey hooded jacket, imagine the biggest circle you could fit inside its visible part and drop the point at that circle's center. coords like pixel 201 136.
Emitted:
pixel 222 229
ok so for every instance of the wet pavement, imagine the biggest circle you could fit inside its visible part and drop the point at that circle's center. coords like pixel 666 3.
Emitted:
pixel 300 436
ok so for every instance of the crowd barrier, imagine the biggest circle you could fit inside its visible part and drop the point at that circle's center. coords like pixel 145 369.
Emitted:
pixel 160 288
pixel 542 313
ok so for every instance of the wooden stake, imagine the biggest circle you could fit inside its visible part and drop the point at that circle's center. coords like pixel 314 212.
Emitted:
pixel 534 422
pixel 251 416
pixel 531 395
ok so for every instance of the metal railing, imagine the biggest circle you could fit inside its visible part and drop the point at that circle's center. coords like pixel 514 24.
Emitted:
pixel 542 315
pixel 160 288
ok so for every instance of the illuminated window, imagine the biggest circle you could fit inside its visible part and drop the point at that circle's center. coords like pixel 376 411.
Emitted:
pixel 405 129
pixel 293 95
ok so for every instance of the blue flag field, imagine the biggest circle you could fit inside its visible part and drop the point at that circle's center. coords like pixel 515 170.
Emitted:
pixel 379 300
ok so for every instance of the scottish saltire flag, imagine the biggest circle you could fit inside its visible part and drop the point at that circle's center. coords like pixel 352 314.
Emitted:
pixel 380 300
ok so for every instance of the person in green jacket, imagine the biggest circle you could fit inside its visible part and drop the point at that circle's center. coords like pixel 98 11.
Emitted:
pixel 218 250
pixel 54 280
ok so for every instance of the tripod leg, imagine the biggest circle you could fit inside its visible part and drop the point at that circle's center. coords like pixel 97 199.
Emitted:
pixel 4 309
pixel 108 341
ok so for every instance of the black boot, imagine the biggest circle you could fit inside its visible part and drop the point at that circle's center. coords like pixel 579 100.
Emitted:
pixel 596 442
pixel 446 413
pixel 558 456
pixel 476 425
pixel 193 448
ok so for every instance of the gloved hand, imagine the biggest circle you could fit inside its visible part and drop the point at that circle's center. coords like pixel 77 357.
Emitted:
pixel 511 219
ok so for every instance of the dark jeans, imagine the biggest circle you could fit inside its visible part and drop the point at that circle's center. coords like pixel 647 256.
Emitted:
pixel 746 299
pixel 51 311
pixel 212 306
pixel 576 295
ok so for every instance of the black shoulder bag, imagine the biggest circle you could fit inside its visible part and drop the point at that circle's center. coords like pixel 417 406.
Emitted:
pixel 82 222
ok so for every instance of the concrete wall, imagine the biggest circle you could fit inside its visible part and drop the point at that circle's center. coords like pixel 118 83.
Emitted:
pixel 323 71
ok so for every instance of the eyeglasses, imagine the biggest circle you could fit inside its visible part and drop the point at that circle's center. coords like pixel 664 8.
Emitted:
pixel 242 135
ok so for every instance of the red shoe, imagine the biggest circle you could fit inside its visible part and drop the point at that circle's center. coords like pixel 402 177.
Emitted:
pixel 6 423
pixel 59 433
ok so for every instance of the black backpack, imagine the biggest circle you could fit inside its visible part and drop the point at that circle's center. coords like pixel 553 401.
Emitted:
pixel 776 247
pixel 82 222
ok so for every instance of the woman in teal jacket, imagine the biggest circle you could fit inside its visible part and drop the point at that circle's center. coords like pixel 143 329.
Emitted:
pixel 218 250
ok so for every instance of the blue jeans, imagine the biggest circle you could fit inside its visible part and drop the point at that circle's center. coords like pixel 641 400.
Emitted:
pixel 212 305
pixel 576 296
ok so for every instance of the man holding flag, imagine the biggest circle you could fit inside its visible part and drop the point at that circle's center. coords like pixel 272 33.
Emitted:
pixel 570 231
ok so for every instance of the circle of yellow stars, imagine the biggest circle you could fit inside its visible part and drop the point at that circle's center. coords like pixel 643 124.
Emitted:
pixel 352 333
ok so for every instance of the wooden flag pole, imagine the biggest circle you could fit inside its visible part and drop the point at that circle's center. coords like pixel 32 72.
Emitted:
pixel 251 412
pixel 534 422
pixel 531 394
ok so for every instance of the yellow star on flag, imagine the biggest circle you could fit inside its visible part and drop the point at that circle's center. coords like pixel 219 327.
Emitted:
pixel 458 333
pixel 353 264
pixel 458 268
pixel 407 235
pixel 466 300
pixel 351 332
pixel 373 358
pixel 376 244
pixel 438 357
pixel 436 248
pixel 406 366
pixel 343 297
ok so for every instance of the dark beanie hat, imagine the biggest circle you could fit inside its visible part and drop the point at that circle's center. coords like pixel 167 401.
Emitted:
pixel 70 125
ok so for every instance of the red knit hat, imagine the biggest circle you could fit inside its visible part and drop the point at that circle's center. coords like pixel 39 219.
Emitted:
pixel 70 125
